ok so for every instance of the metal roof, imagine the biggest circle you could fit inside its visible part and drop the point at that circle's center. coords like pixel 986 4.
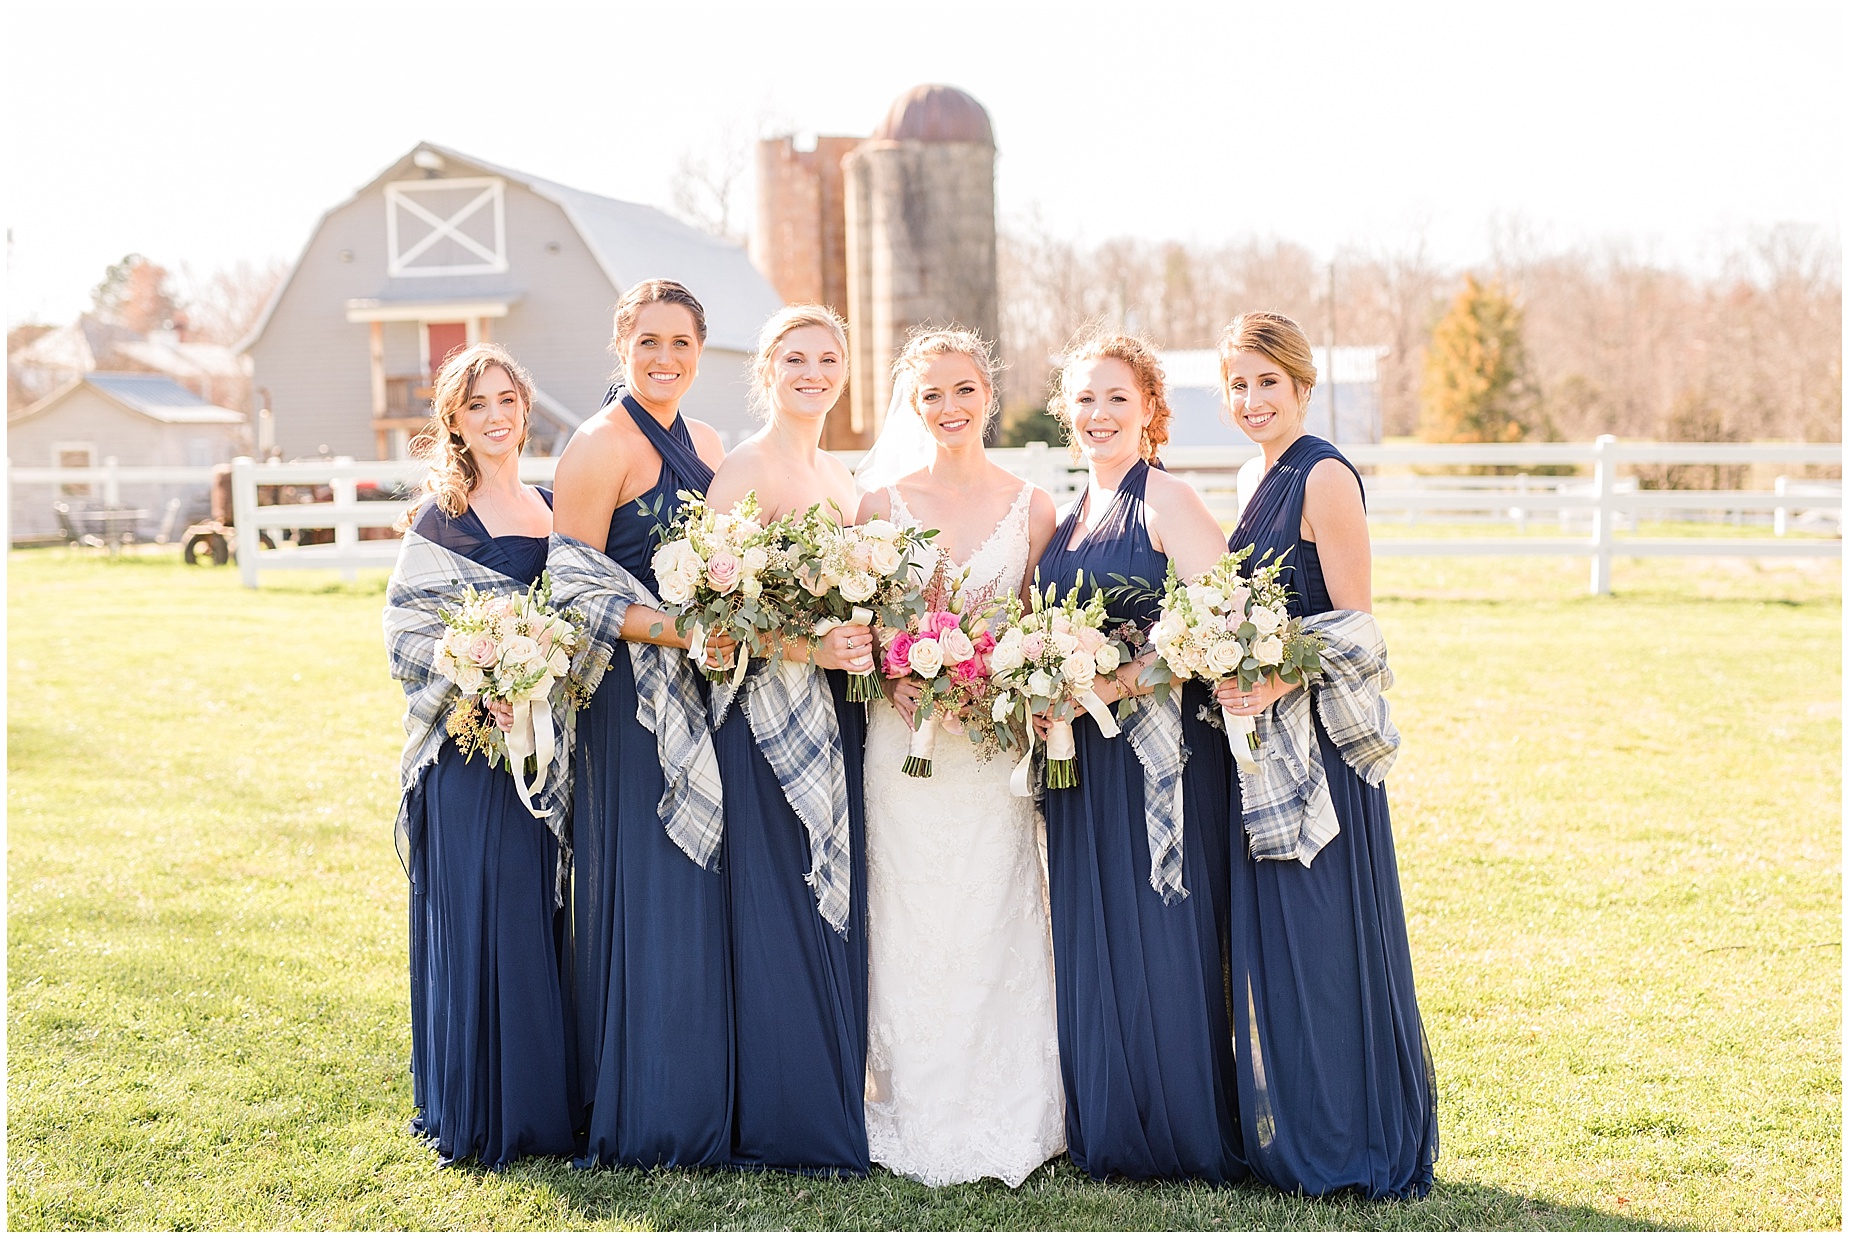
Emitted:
pixel 159 397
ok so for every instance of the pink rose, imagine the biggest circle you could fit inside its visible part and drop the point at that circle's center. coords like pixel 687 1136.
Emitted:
pixel 943 622
pixel 723 570
pixel 1090 639
pixel 1032 645
pixel 969 671
pixel 984 642
pixel 859 557
pixel 958 648
pixel 897 655
pixel 483 651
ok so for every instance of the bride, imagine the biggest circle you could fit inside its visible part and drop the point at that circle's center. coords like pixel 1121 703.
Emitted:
pixel 963 1052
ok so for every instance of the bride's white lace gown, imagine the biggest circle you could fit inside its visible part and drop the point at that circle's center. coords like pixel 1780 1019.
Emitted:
pixel 963 1053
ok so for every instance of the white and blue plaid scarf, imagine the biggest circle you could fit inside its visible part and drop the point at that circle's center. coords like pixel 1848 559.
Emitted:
pixel 1288 812
pixel 792 717
pixel 667 692
pixel 427 579
pixel 1154 731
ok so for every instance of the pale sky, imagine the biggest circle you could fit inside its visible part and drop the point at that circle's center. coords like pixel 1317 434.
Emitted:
pixel 200 134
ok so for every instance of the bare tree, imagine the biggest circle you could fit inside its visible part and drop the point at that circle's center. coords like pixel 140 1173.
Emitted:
pixel 223 307
pixel 711 187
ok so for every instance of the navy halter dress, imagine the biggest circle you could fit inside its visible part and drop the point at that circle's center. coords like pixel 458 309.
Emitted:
pixel 800 997
pixel 1336 1087
pixel 491 1075
pixel 649 925
pixel 1144 1047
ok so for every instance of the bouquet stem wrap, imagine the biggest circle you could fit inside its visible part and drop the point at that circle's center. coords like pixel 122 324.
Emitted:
pixel 923 745
pixel 864 686
pixel 1062 769
pixel 534 737
pixel 1241 738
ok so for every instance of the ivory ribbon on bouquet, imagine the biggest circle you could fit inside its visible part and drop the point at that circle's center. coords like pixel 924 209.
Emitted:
pixel 696 650
pixel 1060 745
pixel 1241 738
pixel 532 736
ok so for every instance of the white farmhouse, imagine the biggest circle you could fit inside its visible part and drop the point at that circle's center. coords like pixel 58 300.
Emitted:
pixel 443 250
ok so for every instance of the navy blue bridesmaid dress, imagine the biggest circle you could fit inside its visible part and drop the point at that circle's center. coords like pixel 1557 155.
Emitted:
pixel 491 1072
pixel 1144 1047
pixel 649 925
pixel 800 988
pixel 1336 1087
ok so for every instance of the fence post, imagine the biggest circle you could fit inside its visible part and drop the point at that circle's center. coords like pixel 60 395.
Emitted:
pixel 112 483
pixel 346 533
pixel 244 518
pixel 1778 513
pixel 1521 513
pixel 1604 482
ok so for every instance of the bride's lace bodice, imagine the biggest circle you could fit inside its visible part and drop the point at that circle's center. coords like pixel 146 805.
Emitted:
pixel 963 1048
pixel 997 566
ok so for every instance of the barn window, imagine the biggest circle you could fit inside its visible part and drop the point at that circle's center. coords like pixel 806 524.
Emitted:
pixel 446 226
pixel 74 456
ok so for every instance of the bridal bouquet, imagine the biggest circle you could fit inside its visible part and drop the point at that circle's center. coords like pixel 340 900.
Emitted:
pixel 946 645
pixel 1232 625
pixel 513 649
pixel 849 574
pixel 720 572
pixel 1045 661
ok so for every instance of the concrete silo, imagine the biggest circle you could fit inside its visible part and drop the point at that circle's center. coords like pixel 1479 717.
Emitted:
pixel 920 208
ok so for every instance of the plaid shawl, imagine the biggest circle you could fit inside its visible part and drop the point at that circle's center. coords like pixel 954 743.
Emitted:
pixel 428 578
pixel 1154 731
pixel 792 717
pixel 1288 812
pixel 667 692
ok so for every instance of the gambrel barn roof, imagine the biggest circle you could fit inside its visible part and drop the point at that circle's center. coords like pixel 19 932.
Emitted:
pixel 630 242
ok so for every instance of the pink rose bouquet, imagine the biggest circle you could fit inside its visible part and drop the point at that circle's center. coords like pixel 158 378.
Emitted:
pixel 720 572
pixel 946 644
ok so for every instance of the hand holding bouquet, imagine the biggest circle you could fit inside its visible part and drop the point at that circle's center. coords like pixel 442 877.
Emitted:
pixel 719 573
pixel 850 574
pixel 508 649
pixel 1045 662
pixel 945 644
pixel 1229 625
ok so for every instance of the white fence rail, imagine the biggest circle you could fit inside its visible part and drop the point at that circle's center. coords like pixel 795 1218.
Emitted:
pixel 1591 512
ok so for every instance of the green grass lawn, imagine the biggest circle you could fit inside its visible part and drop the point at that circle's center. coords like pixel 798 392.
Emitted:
pixel 1619 831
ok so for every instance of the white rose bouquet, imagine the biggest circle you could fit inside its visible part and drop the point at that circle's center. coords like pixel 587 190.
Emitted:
pixel 1233 625
pixel 854 574
pixel 946 643
pixel 1045 662
pixel 515 649
pixel 720 572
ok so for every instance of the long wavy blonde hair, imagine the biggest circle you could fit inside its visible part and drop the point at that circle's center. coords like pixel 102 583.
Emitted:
pixel 453 471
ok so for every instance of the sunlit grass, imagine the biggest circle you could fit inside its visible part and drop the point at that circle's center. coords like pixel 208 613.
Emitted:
pixel 1618 826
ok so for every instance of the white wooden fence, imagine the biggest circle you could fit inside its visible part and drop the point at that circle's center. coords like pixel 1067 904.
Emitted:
pixel 1591 512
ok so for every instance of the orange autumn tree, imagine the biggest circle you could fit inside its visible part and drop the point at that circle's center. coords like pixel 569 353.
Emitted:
pixel 1477 387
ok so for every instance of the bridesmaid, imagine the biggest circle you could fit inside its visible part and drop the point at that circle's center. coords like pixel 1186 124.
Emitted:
pixel 1335 1077
pixel 649 938
pixel 488 1020
pixel 1144 1046
pixel 800 1004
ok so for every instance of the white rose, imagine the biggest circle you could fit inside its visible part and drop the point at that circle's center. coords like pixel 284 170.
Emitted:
pixel 542 689
pixel 1040 684
pixel 883 558
pixel 558 664
pixel 1078 669
pixel 1064 642
pixel 858 586
pixel 1004 706
pixel 1006 656
pixel 674 588
pixel 667 557
pixel 469 678
pixel 958 648
pixel 1269 650
pixel 1223 658
pixel 755 558
pixel 1107 658
pixel 1236 601
pixel 1264 619
pixel 518 650
pixel 1205 599
pixel 457 643
pixel 926 657
pixel 750 587
pixel 880 530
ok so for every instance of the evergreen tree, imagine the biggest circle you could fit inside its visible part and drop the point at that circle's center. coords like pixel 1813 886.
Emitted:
pixel 1477 387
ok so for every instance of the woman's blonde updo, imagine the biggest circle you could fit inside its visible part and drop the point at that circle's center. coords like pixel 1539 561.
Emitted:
pixel 782 323
pixel 1275 336
pixel 927 343
pixel 453 471
pixel 1094 344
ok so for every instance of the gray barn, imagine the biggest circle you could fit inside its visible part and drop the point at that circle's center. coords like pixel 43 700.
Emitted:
pixel 139 419
pixel 442 250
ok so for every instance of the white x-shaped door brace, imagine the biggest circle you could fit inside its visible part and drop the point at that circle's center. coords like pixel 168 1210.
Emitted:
pixel 402 195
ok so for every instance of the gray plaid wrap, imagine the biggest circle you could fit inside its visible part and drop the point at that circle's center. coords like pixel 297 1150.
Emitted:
pixel 426 579
pixel 1288 812
pixel 1154 731
pixel 691 807
pixel 792 717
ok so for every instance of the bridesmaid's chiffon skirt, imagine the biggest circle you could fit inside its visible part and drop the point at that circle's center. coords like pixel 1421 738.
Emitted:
pixel 490 1071
pixel 653 973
